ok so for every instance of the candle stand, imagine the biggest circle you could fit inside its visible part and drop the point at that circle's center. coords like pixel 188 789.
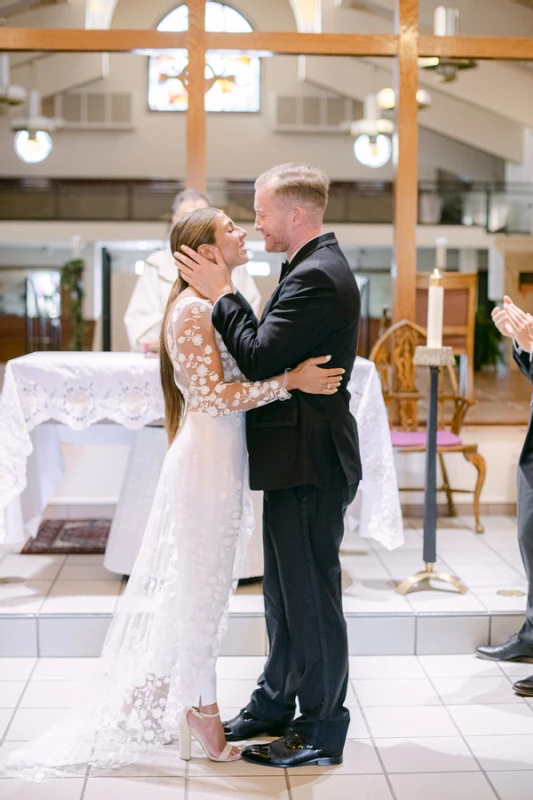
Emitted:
pixel 434 358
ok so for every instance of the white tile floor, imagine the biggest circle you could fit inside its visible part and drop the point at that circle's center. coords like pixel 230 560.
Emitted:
pixel 487 563
pixel 436 727
pixel 39 584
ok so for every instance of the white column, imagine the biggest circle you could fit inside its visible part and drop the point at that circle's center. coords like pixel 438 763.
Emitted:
pixel 521 173
pixel 96 280
pixel 89 284
pixel 468 260
pixel 496 288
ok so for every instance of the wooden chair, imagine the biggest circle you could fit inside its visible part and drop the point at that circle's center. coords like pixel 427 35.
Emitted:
pixel 393 356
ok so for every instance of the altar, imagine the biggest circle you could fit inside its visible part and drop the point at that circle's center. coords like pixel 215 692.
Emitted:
pixel 79 390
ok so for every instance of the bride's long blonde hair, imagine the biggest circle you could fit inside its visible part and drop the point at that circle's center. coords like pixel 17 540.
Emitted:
pixel 196 228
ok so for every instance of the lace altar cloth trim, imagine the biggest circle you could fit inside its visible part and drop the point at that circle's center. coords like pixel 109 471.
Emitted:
pixel 77 389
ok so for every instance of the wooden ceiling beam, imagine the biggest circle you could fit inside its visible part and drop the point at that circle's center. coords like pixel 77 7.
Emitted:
pixel 62 40
pixel 307 44
pixel 509 48
pixel 114 40
pixel 282 43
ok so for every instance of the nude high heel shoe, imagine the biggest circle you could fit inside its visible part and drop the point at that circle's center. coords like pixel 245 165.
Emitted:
pixel 186 733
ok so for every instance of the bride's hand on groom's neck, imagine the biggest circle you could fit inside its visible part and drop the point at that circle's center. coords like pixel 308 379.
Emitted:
pixel 210 278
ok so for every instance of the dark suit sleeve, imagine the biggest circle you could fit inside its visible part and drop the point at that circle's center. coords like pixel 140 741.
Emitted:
pixel 244 302
pixel 302 315
pixel 523 359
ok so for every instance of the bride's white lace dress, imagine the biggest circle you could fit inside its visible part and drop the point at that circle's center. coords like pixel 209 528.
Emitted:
pixel 161 649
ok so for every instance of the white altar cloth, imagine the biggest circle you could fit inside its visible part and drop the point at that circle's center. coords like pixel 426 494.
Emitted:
pixel 376 512
pixel 81 389
pixel 78 390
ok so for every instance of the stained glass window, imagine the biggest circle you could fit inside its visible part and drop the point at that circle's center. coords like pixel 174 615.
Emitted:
pixel 233 80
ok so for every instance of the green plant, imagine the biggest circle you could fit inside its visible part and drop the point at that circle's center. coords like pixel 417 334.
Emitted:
pixel 486 340
pixel 72 282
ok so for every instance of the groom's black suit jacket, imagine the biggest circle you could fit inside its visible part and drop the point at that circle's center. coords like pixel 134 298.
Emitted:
pixel 314 311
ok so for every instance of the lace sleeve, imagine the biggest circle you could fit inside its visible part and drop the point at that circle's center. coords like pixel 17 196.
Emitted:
pixel 198 363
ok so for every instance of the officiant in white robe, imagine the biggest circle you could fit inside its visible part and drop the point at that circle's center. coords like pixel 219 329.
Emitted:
pixel 142 320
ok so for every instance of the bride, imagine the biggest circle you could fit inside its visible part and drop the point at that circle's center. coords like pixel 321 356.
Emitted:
pixel 157 676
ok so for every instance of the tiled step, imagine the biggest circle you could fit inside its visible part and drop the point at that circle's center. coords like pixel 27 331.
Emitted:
pixel 62 605
pixel 77 635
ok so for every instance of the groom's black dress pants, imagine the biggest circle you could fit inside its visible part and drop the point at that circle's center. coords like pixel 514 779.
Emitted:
pixel 302 533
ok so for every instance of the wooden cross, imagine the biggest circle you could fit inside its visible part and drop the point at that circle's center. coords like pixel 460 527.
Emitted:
pixel 407 44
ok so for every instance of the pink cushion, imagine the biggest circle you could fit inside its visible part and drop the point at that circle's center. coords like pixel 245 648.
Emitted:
pixel 418 438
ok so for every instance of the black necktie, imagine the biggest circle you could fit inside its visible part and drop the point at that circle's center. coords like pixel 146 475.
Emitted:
pixel 284 270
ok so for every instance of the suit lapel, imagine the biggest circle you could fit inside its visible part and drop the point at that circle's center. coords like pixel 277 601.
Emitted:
pixel 309 248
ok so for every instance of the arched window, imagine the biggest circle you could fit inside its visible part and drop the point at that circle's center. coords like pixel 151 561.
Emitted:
pixel 233 81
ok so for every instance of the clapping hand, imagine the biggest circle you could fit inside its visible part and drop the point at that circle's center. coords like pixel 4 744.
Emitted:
pixel 517 324
pixel 499 317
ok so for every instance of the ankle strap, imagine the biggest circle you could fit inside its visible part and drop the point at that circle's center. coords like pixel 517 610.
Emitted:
pixel 197 713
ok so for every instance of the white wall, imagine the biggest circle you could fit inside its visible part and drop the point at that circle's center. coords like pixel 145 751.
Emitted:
pixel 485 17
pixel 522 173
pixel 484 127
pixel 441 152
pixel 499 444
pixel 477 17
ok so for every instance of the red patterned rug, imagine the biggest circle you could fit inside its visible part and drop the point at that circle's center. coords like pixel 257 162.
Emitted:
pixel 69 536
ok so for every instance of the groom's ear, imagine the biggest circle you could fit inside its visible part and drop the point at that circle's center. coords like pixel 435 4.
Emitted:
pixel 207 251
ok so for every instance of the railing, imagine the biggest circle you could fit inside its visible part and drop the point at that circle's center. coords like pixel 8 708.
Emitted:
pixel 495 206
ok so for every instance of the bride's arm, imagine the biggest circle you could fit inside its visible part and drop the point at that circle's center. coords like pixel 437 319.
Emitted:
pixel 197 356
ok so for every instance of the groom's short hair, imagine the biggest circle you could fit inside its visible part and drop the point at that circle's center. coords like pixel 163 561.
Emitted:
pixel 298 183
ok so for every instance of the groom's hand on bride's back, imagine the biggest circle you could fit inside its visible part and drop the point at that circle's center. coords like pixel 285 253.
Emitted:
pixel 211 278
pixel 311 378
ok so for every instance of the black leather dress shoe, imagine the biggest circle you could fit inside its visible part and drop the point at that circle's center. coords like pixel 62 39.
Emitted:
pixel 524 687
pixel 250 581
pixel 246 726
pixel 289 751
pixel 511 650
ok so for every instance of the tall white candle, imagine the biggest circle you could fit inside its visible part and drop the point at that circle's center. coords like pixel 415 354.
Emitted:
pixel 435 310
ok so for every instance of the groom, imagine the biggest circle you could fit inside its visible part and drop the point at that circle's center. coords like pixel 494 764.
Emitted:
pixel 304 454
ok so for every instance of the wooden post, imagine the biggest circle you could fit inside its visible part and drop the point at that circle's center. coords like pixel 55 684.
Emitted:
pixel 196 116
pixel 406 185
